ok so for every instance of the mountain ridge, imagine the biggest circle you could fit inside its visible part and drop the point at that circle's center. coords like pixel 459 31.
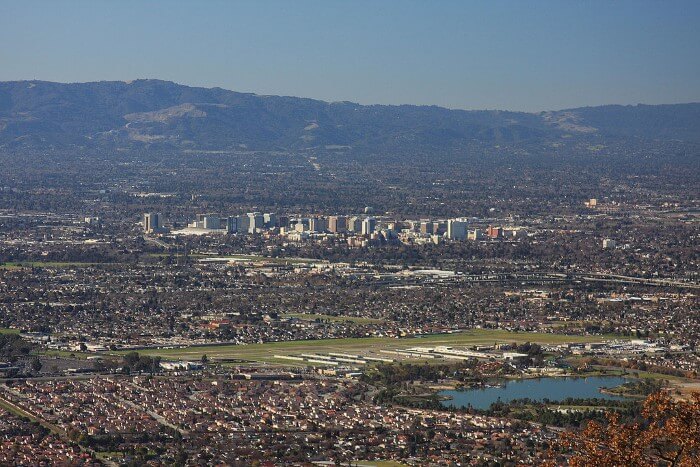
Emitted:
pixel 157 113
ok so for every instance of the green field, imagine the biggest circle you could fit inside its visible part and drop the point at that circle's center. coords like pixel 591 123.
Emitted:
pixel 9 331
pixel 265 259
pixel 13 410
pixel 242 258
pixel 47 264
pixel 178 255
pixel 266 352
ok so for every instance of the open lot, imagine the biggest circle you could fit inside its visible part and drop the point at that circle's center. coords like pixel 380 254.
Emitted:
pixel 266 352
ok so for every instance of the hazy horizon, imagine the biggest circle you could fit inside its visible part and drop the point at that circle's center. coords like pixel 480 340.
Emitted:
pixel 129 81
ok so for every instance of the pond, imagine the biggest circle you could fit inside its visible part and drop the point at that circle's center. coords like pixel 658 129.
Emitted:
pixel 554 389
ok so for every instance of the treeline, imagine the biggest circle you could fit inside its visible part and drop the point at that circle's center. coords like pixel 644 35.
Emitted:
pixel 641 387
pixel 67 254
pixel 12 346
pixel 393 395
pixel 540 411
pixel 133 362
pixel 640 365
pixel 390 374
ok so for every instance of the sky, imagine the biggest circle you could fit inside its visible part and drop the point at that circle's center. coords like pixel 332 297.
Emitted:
pixel 493 54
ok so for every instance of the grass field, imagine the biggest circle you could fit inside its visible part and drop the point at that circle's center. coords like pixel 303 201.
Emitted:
pixel 14 410
pixel 265 259
pixel 67 354
pixel 9 331
pixel 244 258
pixel 266 352
pixel 42 264
pixel 602 370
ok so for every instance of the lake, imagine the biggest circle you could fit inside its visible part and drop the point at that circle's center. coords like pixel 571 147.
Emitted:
pixel 554 389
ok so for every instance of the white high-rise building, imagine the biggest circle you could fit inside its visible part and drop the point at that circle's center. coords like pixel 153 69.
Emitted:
pixel 257 221
pixel 457 229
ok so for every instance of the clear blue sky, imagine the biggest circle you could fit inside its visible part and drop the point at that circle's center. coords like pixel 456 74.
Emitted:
pixel 519 55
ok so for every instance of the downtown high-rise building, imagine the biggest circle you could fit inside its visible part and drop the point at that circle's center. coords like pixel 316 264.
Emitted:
pixel 270 220
pixel 255 221
pixel 242 224
pixel 337 224
pixel 152 222
pixel 355 224
pixel 317 224
pixel 368 225
pixel 211 222
pixel 457 229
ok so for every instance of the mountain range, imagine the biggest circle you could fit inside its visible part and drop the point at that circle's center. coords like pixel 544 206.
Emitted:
pixel 162 114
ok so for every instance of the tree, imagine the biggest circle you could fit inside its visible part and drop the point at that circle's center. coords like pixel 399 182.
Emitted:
pixel 36 364
pixel 667 435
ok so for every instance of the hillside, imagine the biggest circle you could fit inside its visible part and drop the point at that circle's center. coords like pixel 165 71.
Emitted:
pixel 157 113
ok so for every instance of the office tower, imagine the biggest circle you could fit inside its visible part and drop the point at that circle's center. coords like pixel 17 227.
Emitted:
pixel 283 221
pixel 456 229
pixel 389 234
pixel 270 220
pixel 354 224
pixel 494 232
pixel 232 224
pixel 151 222
pixel 413 226
pixel 256 221
pixel 475 235
pixel 368 225
pixel 242 224
pixel 317 224
pixel 211 222
pixel 201 217
pixel 426 227
pixel 609 243
pixel 337 224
